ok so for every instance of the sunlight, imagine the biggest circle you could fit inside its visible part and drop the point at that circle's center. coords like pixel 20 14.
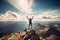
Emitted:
pixel 24 6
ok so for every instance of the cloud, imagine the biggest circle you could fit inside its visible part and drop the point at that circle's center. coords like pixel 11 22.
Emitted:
pixel 22 5
pixel 11 16
pixel 45 16
pixel 51 12
pixel 49 15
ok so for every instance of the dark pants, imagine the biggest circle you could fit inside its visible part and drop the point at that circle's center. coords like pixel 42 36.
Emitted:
pixel 30 25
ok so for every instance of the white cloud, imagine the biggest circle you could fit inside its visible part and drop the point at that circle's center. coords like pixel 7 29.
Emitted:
pixel 11 16
pixel 22 5
pixel 45 16
pixel 49 15
pixel 51 12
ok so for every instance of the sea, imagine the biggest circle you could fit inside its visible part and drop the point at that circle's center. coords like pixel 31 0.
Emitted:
pixel 8 27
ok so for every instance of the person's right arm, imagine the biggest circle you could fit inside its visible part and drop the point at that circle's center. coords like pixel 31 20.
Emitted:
pixel 32 17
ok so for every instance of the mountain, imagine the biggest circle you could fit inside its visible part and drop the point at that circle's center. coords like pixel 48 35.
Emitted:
pixel 52 31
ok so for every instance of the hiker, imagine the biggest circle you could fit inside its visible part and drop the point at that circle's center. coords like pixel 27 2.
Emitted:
pixel 30 21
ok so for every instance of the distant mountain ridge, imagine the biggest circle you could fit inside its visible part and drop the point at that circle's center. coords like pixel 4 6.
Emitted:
pixel 52 31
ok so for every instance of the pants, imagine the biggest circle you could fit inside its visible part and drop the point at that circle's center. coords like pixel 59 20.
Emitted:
pixel 30 25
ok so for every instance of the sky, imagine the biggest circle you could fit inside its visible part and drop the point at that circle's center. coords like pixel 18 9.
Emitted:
pixel 17 10
pixel 37 8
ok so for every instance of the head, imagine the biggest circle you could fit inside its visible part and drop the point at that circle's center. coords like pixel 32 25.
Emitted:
pixel 30 18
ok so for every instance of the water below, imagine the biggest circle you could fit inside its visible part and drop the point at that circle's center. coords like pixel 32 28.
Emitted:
pixel 8 27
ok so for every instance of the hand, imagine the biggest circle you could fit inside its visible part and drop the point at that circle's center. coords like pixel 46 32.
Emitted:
pixel 32 17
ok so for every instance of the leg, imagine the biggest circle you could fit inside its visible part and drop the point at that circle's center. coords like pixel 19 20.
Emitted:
pixel 31 26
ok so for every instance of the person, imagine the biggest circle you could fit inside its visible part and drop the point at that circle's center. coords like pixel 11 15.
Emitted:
pixel 30 21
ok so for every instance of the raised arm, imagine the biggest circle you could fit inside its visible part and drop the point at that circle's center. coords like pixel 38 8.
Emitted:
pixel 32 17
